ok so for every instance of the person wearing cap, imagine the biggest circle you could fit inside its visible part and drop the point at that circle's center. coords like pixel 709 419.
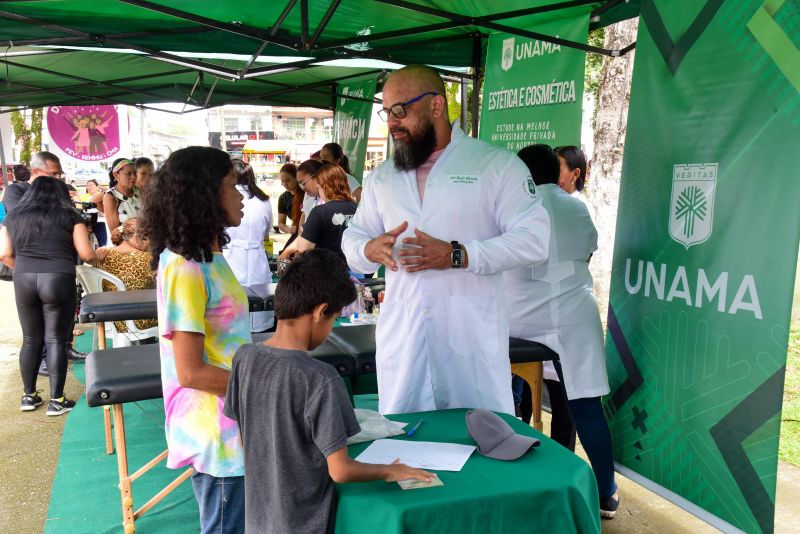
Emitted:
pixel 553 304
pixel 445 215
pixel 123 199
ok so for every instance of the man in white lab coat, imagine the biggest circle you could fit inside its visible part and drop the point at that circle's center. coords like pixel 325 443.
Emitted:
pixel 446 215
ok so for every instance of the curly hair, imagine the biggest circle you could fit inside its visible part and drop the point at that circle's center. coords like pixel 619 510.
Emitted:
pixel 186 216
pixel 332 181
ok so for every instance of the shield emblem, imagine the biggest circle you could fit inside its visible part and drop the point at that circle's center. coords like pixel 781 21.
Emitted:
pixel 508 53
pixel 691 209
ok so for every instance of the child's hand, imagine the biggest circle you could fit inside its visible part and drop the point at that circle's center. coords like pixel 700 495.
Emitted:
pixel 398 471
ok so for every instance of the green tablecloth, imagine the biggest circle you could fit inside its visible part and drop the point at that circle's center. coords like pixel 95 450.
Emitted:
pixel 548 489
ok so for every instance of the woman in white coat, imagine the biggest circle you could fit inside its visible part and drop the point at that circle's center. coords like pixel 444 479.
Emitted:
pixel 245 253
pixel 553 304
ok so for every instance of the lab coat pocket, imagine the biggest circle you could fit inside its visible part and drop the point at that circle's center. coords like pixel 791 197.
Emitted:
pixel 472 326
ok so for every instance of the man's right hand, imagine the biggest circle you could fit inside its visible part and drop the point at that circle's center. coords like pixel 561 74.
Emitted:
pixel 379 250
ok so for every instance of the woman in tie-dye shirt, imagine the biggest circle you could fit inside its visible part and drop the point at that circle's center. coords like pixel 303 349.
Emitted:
pixel 203 318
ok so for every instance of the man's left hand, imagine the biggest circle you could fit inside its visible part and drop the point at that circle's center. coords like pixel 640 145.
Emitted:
pixel 425 253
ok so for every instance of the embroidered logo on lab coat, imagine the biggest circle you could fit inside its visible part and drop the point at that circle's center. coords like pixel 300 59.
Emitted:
pixel 529 187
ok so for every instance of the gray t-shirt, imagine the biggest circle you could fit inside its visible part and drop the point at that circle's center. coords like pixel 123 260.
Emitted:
pixel 293 411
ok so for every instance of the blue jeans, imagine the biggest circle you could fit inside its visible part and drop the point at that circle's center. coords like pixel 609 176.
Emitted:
pixel 587 414
pixel 221 501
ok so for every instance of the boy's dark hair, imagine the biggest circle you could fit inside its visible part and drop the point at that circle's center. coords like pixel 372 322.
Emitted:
pixel 543 163
pixel 315 277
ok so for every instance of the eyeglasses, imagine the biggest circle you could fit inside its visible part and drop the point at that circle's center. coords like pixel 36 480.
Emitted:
pixel 304 182
pixel 399 110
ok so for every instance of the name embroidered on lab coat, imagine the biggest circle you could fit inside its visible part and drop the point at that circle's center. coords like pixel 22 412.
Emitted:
pixel 462 179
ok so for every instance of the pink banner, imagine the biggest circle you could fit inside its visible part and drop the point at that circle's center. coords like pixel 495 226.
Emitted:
pixel 87 133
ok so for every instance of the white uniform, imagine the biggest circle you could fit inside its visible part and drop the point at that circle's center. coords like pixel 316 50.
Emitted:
pixel 442 337
pixel 352 183
pixel 246 255
pixel 554 304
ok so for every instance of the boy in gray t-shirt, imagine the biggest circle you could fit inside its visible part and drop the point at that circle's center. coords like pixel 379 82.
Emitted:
pixel 293 411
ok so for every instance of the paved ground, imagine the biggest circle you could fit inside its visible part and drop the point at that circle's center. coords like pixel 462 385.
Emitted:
pixel 29 445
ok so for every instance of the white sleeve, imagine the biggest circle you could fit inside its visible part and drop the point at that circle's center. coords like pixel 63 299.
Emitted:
pixel 366 224
pixel 352 182
pixel 268 217
pixel 523 221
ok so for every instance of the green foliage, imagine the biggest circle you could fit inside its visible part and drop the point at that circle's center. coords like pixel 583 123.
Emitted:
pixel 453 92
pixel 790 417
pixel 27 129
pixel 594 63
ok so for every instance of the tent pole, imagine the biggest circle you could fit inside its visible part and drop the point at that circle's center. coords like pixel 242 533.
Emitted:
pixel 324 22
pixel 303 24
pixel 464 105
pixel 476 82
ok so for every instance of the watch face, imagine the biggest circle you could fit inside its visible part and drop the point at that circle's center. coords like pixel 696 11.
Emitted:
pixel 458 258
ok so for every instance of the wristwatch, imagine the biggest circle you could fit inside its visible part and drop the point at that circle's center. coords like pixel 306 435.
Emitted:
pixel 457 256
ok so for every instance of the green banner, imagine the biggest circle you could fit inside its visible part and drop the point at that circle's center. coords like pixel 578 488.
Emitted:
pixel 705 254
pixel 533 90
pixel 351 121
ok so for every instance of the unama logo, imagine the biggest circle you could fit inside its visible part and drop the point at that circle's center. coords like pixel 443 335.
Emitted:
pixel 691 209
pixel 347 92
pixel 508 53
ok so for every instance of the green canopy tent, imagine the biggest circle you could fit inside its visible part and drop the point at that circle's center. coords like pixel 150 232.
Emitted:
pixel 169 51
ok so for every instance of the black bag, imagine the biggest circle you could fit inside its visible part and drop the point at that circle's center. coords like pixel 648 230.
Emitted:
pixel 6 273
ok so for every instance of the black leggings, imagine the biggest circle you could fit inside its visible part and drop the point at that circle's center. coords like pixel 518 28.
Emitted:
pixel 46 307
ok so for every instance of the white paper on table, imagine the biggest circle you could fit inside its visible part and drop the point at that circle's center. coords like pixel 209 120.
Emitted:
pixel 421 454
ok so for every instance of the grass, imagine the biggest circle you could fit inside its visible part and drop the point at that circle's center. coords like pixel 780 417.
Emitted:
pixel 790 418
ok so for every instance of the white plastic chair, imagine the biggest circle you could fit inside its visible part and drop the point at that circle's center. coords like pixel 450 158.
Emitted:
pixel 91 279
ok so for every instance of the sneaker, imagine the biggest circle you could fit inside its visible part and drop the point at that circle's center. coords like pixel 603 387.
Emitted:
pixel 30 401
pixel 608 507
pixel 60 406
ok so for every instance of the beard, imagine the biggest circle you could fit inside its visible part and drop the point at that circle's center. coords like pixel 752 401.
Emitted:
pixel 416 148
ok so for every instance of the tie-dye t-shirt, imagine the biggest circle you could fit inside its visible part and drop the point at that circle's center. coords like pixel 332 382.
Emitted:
pixel 205 298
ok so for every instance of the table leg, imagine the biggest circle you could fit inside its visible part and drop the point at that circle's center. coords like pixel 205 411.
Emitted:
pixel 532 373
pixel 101 345
pixel 107 425
pixel 126 494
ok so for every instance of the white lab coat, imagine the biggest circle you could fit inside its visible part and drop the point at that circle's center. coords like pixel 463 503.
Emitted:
pixel 553 303
pixel 246 255
pixel 442 337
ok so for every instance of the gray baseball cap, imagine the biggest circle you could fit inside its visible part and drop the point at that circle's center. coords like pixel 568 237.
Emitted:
pixel 495 438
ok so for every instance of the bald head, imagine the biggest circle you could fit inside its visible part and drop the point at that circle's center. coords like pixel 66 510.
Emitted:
pixel 417 79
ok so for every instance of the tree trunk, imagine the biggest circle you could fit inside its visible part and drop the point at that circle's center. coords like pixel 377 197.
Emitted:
pixel 609 141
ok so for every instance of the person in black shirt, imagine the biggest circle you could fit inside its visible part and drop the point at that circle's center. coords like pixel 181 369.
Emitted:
pixel 41 240
pixel 327 222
